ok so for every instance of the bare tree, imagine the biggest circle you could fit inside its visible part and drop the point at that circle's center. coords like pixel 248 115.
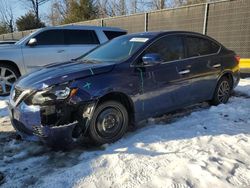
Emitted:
pixel 54 15
pixel 134 6
pixel 111 7
pixel 102 8
pixel 161 4
pixel 7 16
pixel 35 5
pixel 189 2
pixel 59 9
pixel 107 8
pixel 122 7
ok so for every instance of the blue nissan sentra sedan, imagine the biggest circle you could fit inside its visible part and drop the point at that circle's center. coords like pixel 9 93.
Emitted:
pixel 121 83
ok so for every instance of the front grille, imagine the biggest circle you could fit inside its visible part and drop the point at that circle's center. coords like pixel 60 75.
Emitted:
pixel 37 130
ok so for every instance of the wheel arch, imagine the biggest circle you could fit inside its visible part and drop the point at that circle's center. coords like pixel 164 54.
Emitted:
pixel 11 63
pixel 229 75
pixel 123 99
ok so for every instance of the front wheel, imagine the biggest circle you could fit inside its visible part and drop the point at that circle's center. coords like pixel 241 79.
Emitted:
pixel 222 92
pixel 8 75
pixel 109 122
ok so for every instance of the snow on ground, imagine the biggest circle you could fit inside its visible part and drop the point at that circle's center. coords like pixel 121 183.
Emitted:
pixel 200 146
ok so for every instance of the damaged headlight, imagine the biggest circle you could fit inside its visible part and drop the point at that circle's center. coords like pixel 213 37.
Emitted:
pixel 50 95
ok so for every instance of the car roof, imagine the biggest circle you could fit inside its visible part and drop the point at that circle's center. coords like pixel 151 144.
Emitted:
pixel 156 33
pixel 87 27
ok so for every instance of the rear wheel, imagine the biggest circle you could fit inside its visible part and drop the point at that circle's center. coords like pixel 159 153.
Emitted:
pixel 109 122
pixel 222 92
pixel 8 75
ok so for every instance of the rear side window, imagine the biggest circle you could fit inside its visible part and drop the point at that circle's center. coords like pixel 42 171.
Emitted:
pixel 50 37
pixel 113 34
pixel 80 37
pixel 170 48
pixel 199 46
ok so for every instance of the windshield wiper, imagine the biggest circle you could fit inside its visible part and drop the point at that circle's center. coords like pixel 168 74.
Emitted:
pixel 91 61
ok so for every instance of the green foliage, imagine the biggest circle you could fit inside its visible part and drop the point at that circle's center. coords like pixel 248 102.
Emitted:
pixel 4 28
pixel 80 10
pixel 28 21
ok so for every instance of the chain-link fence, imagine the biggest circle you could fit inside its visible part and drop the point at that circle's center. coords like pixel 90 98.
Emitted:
pixel 227 21
pixel 185 18
pixel 132 23
pixel 96 22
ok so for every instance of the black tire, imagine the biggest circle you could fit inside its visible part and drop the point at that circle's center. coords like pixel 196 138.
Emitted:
pixel 9 70
pixel 112 127
pixel 222 91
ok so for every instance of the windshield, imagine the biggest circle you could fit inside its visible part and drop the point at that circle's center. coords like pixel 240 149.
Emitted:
pixel 116 50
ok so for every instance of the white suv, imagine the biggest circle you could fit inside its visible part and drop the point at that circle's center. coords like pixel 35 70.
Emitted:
pixel 49 45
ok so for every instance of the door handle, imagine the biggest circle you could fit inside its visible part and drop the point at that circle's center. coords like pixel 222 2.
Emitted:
pixel 216 65
pixel 60 51
pixel 184 71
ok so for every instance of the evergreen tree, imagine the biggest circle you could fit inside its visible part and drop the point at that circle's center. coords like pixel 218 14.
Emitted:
pixel 28 21
pixel 80 10
pixel 4 28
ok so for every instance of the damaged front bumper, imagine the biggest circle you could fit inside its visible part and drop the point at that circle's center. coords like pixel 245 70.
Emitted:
pixel 28 120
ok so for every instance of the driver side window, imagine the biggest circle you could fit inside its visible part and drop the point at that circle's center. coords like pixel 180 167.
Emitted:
pixel 170 48
pixel 50 37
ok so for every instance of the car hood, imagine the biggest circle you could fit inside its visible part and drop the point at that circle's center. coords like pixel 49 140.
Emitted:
pixel 8 46
pixel 61 72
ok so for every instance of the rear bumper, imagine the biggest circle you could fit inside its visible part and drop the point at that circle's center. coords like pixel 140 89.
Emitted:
pixel 236 79
pixel 27 122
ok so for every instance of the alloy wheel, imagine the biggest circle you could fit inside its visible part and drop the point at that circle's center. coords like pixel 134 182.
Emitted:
pixel 223 92
pixel 7 78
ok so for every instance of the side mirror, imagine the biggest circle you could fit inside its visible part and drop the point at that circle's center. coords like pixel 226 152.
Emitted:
pixel 32 42
pixel 151 59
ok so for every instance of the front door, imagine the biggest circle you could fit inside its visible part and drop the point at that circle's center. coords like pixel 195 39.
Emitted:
pixel 49 48
pixel 162 87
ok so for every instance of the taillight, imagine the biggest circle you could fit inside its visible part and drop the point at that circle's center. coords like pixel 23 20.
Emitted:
pixel 237 58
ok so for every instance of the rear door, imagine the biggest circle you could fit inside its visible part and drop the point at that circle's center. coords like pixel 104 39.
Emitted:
pixel 50 48
pixel 79 42
pixel 201 66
